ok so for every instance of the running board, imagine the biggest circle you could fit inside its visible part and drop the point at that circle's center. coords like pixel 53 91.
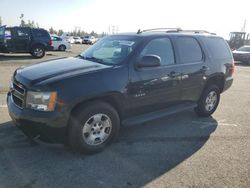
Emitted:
pixel 158 114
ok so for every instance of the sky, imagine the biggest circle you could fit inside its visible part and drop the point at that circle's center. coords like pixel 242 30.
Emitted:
pixel 216 16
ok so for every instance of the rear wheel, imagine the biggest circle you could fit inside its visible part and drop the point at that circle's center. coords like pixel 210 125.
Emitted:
pixel 62 48
pixel 38 51
pixel 208 101
pixel 93 127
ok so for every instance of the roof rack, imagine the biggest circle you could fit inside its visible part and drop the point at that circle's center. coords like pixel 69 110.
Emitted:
pixel 159 29
pixel 197 32
pixel 176 30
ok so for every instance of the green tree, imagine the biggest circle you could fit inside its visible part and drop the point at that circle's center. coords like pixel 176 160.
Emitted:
pixel 93 34
pixel 60 32
pixel 22 24
pixel 30 23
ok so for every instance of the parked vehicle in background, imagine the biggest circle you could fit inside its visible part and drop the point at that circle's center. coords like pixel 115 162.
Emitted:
pixel 60 44
pixel 25 40
pixel 78 40
pixel 242 54
pixel 89 40
pixel 71 40
pixel 122 79
pixel 238 39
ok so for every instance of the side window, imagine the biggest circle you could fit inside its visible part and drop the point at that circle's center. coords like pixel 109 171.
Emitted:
pixel 218 48
pixel 189 50
pixel 161 47
pixel 53 38
pixel 22 32
pixel 40 33
pixel 7 34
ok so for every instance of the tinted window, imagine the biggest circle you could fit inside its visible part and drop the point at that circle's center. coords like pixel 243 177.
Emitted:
pixel 40 33
pixel 189 50
pixel 161 47
pixel 218 48
pixel 22 32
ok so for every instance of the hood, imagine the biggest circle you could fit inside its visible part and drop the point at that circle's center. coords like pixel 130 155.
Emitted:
pixel 60 68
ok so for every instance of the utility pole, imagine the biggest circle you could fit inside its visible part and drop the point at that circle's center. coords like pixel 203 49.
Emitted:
pixel 243 29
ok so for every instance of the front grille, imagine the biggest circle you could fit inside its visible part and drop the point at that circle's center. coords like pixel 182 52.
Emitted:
pixel 18 88
pixel 18 94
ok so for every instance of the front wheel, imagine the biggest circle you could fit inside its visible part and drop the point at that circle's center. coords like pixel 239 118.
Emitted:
pixel 208 101
pixel 92 127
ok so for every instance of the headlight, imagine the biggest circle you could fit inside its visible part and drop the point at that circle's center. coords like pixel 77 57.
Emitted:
pixel 43 101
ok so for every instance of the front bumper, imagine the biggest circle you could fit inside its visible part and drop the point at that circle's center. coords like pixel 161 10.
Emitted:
pixel 47 126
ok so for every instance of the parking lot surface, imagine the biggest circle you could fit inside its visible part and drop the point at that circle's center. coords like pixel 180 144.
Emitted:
pixel 181 150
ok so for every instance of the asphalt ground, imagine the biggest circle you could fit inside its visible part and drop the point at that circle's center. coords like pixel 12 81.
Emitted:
pixel 181 150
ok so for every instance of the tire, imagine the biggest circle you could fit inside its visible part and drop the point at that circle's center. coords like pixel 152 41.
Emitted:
pixel 38 51
pixel 62 48
pixel 92 127
pixel 208 101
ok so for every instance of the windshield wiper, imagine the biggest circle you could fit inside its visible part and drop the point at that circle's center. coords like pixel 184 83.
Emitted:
pixel 92 59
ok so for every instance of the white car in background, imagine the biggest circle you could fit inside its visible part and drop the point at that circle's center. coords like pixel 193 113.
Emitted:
pixel 60 44
pixel 78 40
pixel 71 40
pixel 89 39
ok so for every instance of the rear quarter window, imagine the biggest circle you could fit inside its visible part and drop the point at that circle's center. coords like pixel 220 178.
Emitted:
pixel 40 33
pixel 218 48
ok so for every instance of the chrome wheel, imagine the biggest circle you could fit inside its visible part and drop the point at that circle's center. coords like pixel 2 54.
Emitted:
pixel 97 129
pixel 38 52
pixel 211 101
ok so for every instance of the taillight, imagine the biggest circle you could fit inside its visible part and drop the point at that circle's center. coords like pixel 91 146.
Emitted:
pixel 231 69
pixel 50 42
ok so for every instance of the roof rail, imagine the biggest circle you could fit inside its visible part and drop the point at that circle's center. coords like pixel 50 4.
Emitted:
pixel 175 30
pixel 159 29
pixel 197 32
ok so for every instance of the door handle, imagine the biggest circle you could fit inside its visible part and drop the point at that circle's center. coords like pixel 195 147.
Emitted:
pixel 174 74
pixel 204 68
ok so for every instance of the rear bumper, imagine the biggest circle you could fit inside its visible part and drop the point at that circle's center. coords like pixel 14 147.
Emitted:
pixel 49 48
pixel 48 126
pixel 228 83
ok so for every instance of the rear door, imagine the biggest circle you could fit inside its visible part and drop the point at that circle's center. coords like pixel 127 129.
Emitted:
pixel 193 67
pixel 21 39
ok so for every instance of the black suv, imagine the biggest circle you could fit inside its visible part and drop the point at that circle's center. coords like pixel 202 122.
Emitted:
pixel 25 40
pixel 122 79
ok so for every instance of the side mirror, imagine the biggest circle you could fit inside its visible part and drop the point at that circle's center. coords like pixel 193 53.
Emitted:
pixel 149 61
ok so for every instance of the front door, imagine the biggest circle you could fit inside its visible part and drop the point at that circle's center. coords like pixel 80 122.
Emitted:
pixel 2 38
pixel 155 87
pixel 21 39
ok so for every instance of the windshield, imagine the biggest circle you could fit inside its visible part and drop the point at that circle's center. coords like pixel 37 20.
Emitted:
pixel 2 29
pixel 244 49
pixel 110 50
